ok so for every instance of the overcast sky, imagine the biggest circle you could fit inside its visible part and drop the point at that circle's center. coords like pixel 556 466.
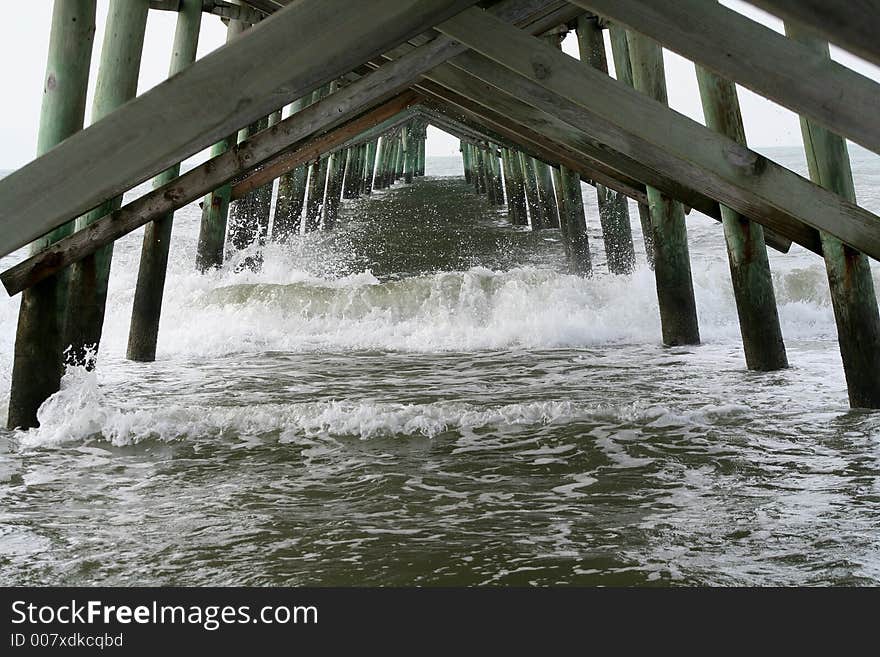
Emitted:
pixel 23 61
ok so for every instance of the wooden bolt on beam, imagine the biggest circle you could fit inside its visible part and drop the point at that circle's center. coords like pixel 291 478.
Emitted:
pixel 147 307
pixel 38 362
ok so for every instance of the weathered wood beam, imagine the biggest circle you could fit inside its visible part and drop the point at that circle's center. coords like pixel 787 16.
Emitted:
pixel 350 134
pixel 165 5
pixel 597 151
pixel 466 132
pixel 740 49
pixel 229 11
pixel 531 143
pixel 538 15
pixel 117 82
pixel 613 208
pixel 38 357
pixel 746 253
pixel 194 183
pixel 851 283
pixel 645 129
pixel 851 24
pixel 146 308
pixel 191 111
pixel 596 161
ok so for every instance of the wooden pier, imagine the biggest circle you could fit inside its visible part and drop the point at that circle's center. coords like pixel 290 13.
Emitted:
pixel 312 103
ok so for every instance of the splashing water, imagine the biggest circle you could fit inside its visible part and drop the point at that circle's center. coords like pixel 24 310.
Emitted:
pixel 425 396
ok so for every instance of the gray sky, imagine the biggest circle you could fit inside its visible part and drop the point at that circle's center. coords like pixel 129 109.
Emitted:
pixel 23 56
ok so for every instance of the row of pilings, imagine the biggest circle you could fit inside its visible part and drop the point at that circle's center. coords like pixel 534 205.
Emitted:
pixel 67 309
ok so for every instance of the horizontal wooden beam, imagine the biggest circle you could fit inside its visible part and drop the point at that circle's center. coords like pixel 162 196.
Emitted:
pixel 505 93
pixel 530 140
pixel 742 50
pixel 165 5
pixel 594 161
pixel 634 124
pixel 308 46
pixel 381 117
pixel 851 24
pixel 536 14
pixel 256 151
pixel 464 131
pixel 191 186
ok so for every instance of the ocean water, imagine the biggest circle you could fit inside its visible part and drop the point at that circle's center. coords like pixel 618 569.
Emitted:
pixel 426 397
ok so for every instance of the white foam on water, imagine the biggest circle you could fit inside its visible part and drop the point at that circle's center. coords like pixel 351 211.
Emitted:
pixel 80 411
pixel 291 305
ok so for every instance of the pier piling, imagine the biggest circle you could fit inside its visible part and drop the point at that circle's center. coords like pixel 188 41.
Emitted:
pixel 38 360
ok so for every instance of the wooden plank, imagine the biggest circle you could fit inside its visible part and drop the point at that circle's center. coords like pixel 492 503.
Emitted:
pixel 191 186
pixel 853 297
pixel 740 49
pixel 620 253
pixel 146 307
pixel 532 143
pixel 596 162
pixel 600 156
pixel 583 139
pixel 850 24
pixel 38 358
pixel 363 128
pixel 746 253
pixel 672 263
pixel 537 14
pixel 117 83
pixel 191 111
pixel 645 129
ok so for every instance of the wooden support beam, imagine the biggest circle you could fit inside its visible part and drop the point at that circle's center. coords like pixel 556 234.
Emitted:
pixel 853 296
pixel 672 263
pixel 287 161
pixel 575 222
pixel 632 124
pixel 623 70
pixel 613 207
pixel 118 74
pixel 192 111
pixel 746 252
pixel 291 192
pixel 146 309
pixel 245 184
pixel 370 169
pixel 533 144
pixel 192 185
pixel 38 361
pixel 852 25
pixel 167 5
pixel 598 155
pixel 742 50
